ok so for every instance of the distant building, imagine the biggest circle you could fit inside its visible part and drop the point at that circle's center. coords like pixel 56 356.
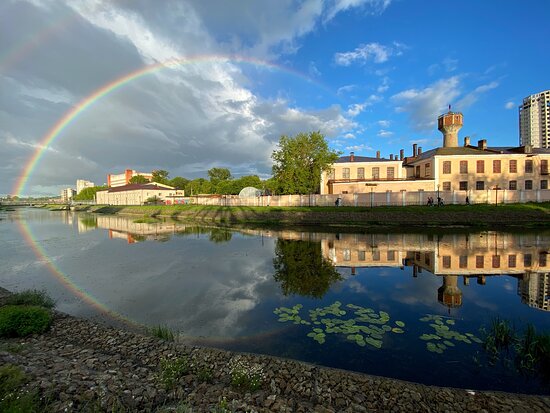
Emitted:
pixel 114 180
pixel 138 194
pixel 534 288
pixel 67 194
pixel 534 120
pixel 83 184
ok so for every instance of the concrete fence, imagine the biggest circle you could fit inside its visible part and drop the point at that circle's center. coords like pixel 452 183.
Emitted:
pixel 402 198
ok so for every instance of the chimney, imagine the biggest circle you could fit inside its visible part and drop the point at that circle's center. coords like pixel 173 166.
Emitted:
pixel 482 144
pixel 466 141
pixel 528 149
pixel 391 156
pixel 395 157
pixel 419 150
pixel 414 149
pixel 352 157
pixel 401 154
pixel 377 154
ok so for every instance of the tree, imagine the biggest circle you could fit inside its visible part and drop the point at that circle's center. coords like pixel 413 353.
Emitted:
pixel 88 194
pixel 138 179
pixel 198 186
pixel 178 182
pixel 301 268
pixel 217 175
pixel 160 176
pixel 299 162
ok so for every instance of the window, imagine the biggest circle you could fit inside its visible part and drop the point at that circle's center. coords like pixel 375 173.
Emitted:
pixel 496 261
pixel 527 260
pixel 391 255
pixel 528 184
pixel 544 184
pixel 513 166
pixel 463 185
pixel 376 255
pixel 427 170
pixel 361 255
pixel 463 261
pixel 446 186
pixel 446 167
pixel 496 167
pixel 427 260
pixel 346 254
pixel 512 260
pixel 542 259
pixel 480 167
pixel 446 261
pixel 463 167
pixel 360 173
pixel 480 261
pixel 390 172
pixel 345 173
pixel 544 166
pixel 480 185
pixel 417 172
pixel 376 173
pixel 529 166
pixel 513 185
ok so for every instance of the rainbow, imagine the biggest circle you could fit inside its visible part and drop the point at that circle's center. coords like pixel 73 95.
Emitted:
pixel 110 87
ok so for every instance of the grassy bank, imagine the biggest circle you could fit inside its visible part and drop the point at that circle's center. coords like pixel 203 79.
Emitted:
pixel 479 216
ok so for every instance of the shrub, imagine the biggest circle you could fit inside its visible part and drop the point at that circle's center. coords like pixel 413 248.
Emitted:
pixel 31 297
pixel 21 321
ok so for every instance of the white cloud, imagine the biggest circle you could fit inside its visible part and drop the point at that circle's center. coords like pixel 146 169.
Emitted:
pixel 313 71
pixel 472 97
pixel 368 52
pixel 345 89
pixel 357 148
pixel 349 136
pixel 356 108
pixel 510 105
pixel 384 123
pixel 385 85
pixel 384 133
pixel 376 6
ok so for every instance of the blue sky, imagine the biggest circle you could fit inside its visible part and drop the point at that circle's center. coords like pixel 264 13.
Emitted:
pixel 369 74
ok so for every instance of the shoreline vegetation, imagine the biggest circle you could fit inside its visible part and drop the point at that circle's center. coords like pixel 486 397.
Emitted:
pixel 481 216
pixel 77 365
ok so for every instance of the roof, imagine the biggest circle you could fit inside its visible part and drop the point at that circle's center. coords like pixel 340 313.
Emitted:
pixel 344 159
pixel 474 150
pixel 135 187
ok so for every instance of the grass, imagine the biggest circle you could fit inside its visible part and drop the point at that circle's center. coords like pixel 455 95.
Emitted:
pixel 21 321
pixel 31 297
pixel 14 397
pixel 163 332
pixel 146 220
pixel 172 370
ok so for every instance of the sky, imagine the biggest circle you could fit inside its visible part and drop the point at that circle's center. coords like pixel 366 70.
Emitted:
pixel 212 83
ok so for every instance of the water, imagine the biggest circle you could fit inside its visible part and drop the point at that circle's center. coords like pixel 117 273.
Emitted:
pixel 223 288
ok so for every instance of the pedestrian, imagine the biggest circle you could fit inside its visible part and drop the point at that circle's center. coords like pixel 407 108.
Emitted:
pixel 467 200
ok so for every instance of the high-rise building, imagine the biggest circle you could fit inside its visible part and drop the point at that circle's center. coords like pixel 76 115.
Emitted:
pixel 534 120
pixel 67 194
pixel 83 184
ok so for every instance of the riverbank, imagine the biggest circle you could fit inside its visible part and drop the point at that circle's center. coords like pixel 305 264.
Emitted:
pixel 79 365
pixel 482 216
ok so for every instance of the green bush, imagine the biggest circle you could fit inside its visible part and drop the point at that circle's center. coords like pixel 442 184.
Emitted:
pixel 21 321
pixel 13 396
pixel 31 297
pixel 163 332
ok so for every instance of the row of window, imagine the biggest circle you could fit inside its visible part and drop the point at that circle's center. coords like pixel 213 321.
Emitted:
pixel 496 259
pixel 375 173
pixel 480 185
pixel 346 255
pixel 497 166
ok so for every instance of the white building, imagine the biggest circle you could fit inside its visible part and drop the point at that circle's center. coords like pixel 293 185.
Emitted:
pixel 534 120
pixel 67 194
pixel 83 184
pixel 138 194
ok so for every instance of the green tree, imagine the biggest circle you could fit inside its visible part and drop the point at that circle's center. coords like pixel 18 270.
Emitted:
pixel 160 176
pixel 88 194
pixel 178 182
pixel 299 161
pixel 301 268
pixel 217 175
pixel 198 186
pixel 138 179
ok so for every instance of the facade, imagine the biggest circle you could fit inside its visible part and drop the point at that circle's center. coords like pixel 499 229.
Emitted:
pixel 114 180
pixel 83 184
pixel 451 170
pixel 137 194
pixel 67 194
pixel 534 120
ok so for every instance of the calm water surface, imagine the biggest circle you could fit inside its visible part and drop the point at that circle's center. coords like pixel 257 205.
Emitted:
pixel 353 301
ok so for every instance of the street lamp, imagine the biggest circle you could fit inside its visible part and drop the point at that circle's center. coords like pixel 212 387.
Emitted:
pixel 371 192
pixel 496 188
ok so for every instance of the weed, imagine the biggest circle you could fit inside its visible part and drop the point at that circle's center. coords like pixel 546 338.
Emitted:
pixel 245 376
pixel 163 332
pixel 171 370
pixel 501 336
pixel 31 297
pixel 21 321
pixel 13 348
pixel 222 407
pixel 13 395
pixel 204 375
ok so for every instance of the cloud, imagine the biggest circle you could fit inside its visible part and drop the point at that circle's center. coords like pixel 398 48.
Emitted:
pixel 313 71
pixel 345 89
pixel 384 123
pixel 509 105
pixel 368 52
pixel 385 85
pixel 356 108
pixel 384 133
pixel 357 148
pixel 338 6
pixel 472 97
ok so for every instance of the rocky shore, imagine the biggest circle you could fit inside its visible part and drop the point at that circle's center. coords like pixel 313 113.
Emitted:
pixel 79 365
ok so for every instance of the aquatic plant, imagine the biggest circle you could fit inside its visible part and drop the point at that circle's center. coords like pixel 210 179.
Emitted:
pixel 21 321
pixel 363 326
pixel 443 335
pixel 31 297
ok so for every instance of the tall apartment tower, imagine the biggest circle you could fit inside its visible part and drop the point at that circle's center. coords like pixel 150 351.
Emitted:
pixel 534 120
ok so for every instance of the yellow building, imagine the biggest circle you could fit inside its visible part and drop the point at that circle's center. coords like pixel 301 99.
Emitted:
pixel 138 194
pixel 520 173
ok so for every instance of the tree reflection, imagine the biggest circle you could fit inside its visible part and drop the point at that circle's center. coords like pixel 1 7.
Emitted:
pixel 301 268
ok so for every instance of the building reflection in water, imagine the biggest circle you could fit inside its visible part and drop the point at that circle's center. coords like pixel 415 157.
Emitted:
pixel 457 258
